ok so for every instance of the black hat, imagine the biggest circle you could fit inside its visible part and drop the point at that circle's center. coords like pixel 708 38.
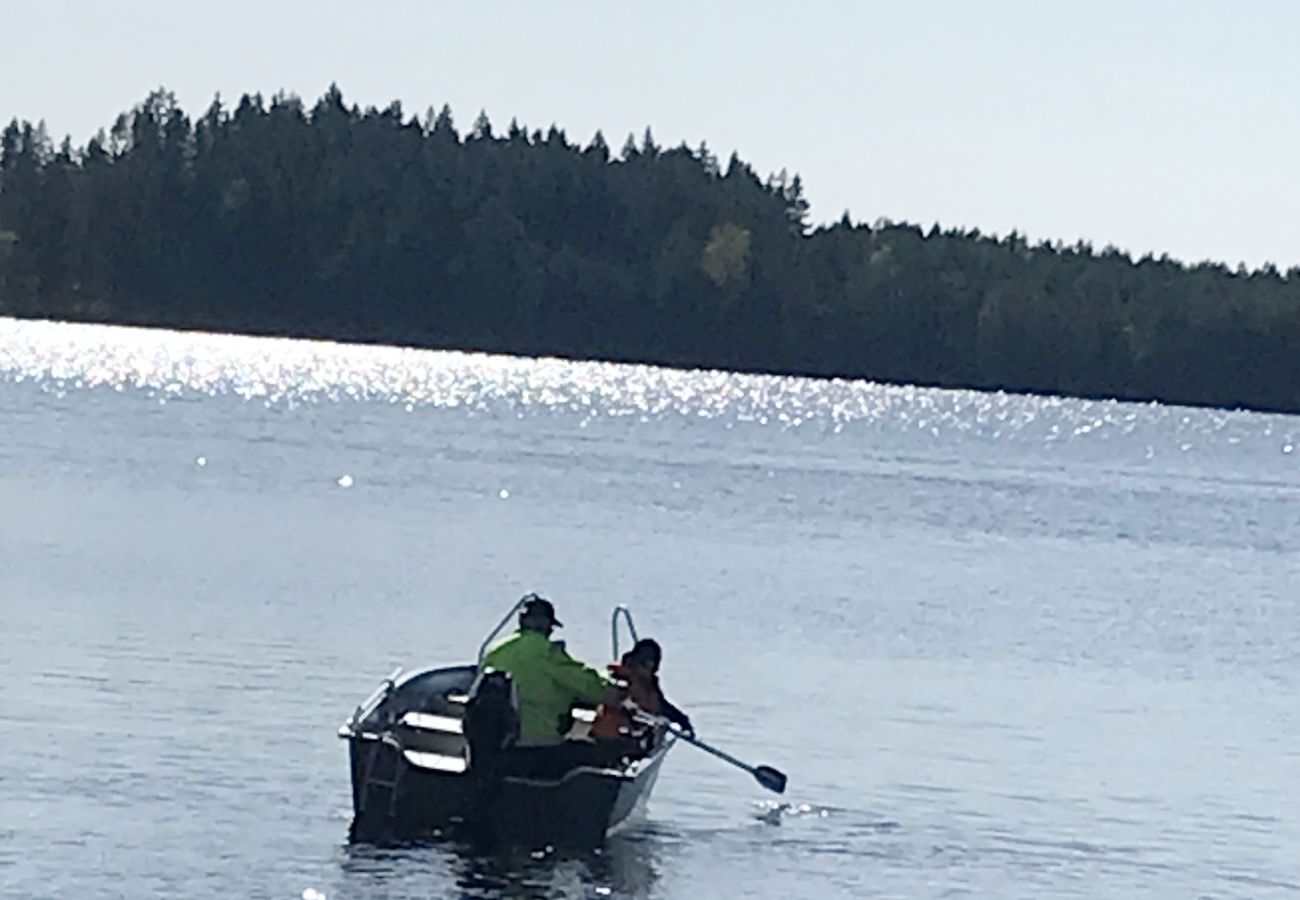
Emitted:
pixel 539 606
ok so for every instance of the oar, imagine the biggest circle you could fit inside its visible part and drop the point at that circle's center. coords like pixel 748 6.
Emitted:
pixel 770 778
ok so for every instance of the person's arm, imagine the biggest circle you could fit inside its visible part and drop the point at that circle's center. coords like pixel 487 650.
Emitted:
pixel 673 714
pixel 585 683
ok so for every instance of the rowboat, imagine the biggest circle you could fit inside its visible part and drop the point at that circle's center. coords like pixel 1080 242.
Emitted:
pixel 417 773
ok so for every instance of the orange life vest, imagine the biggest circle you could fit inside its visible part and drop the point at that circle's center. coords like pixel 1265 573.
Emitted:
pixel 612 720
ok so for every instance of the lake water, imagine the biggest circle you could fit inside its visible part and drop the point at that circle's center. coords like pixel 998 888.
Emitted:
pixel 1004 646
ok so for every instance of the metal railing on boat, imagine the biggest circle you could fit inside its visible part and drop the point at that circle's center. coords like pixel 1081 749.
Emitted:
pixel 367 706
pixel 487 641
pixel 620 612
pixel 626 614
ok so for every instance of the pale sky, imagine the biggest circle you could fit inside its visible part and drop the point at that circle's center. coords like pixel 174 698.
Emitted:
pixel 1153 125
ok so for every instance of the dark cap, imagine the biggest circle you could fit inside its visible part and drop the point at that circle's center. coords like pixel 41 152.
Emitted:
pixel 541 607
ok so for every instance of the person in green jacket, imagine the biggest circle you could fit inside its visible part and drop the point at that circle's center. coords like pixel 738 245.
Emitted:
pixel 548 681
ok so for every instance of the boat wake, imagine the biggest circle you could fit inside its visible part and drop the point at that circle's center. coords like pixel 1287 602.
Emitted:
pixel 776 813
pixel 772 813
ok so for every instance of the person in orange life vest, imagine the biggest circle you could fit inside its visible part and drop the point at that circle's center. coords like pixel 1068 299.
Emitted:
pixel 639 670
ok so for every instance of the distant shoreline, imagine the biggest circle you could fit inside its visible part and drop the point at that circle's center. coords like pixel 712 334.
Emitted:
pixel 376 227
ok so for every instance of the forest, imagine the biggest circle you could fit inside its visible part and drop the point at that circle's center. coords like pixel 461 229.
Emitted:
pixel 375 225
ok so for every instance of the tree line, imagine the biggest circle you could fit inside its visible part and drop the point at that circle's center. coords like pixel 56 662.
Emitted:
pixel 374 225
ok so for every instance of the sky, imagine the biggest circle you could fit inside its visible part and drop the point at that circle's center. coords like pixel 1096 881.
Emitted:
pixel 1152 125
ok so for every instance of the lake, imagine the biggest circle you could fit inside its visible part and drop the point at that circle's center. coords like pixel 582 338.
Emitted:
pixel 1003 646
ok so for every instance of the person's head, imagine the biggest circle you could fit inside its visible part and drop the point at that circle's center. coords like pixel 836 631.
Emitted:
pixel 537 614
pixel 644 657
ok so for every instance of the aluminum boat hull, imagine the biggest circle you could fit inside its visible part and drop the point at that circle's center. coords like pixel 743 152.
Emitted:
pixel 412 776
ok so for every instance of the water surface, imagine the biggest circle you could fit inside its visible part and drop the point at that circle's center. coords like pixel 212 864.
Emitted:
pixel 1003 645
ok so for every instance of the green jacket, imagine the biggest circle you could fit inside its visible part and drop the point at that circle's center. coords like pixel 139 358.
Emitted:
pixel 548 681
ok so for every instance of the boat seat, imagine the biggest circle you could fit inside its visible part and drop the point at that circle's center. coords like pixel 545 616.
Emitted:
pixel 431 733
pixel 580 724
pixel 430 722
pixel 439 762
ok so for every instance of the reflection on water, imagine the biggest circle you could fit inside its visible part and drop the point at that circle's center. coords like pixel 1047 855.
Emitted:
pixel 285 373
pixel 626 866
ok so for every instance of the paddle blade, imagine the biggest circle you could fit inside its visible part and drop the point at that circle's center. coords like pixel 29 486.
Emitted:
pixel 770 778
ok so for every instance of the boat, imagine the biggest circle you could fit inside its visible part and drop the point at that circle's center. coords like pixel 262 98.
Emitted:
pixel 422 768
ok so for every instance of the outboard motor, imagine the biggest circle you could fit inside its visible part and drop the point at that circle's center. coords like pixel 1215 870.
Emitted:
pixel 491 721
